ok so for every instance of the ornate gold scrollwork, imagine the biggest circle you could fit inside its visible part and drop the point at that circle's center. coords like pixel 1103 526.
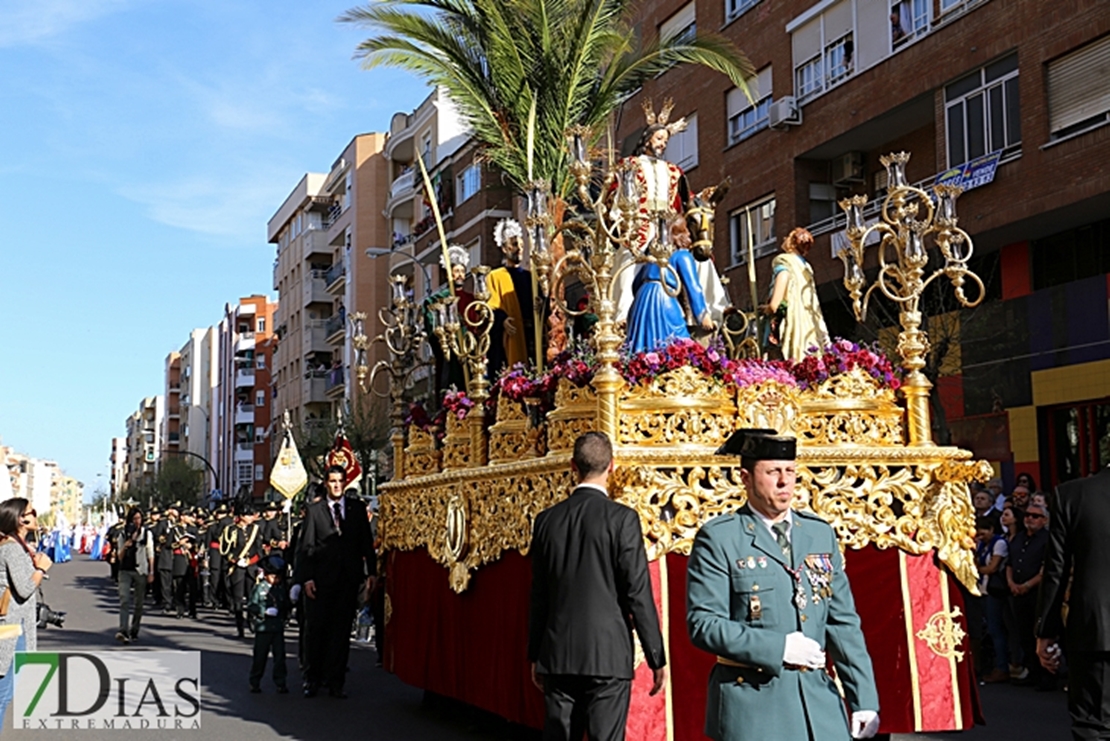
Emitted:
pixel 421 455
pixel 943 634
pixel 456 444
pixel 679 407
pixel 882 493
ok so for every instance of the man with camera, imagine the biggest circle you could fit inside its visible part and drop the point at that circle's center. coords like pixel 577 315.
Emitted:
pixel 135 558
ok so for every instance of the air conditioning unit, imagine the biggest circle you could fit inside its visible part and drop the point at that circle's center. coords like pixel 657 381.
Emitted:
pixel 785 112
pixel 848 168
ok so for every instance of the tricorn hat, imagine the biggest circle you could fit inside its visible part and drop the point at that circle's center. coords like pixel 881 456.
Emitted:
pixel 755 444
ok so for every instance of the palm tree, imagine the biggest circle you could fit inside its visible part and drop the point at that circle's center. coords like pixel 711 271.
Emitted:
pixel 576 61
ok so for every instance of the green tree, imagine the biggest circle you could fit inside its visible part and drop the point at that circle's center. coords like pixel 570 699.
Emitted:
pixel 177 481
pixel 575 60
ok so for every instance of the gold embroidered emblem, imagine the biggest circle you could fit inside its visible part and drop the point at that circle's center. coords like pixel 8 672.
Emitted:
pixel 942 634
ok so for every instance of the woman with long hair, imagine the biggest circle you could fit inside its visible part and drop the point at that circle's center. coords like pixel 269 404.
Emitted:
pixel 796 322
pixel 21 572
pixel 1010 521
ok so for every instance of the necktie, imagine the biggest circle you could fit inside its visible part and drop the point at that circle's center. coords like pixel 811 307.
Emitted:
pixel 780 537
pixel 338 516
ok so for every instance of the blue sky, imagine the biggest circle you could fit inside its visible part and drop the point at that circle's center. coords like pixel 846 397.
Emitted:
pixel 143 146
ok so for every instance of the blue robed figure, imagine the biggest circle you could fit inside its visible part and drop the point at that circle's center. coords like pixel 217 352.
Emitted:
pixel 657 319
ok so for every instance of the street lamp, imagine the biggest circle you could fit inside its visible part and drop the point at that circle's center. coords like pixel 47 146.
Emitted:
pixel 381 251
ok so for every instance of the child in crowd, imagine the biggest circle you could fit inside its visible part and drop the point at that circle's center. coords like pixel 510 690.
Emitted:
pixel 269 608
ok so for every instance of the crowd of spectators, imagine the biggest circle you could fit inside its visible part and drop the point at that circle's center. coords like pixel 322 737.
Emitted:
pixel 1011 536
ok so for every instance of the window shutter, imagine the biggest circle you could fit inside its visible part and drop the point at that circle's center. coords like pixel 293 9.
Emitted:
pixel 1079 85
pixel 678 22
pixel 873 37
pixel 807 41
pixel 838 21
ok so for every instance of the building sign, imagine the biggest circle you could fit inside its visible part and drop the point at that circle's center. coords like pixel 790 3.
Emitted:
pixel 92 690
pixel 979 171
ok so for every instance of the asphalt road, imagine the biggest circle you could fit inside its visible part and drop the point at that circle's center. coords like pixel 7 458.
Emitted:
pixel 380 706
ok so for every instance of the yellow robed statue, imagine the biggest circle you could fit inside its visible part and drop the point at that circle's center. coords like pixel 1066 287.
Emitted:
pixel 510 289
pixel 796 323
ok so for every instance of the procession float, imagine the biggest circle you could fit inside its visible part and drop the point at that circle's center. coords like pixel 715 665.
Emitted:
pixel 471 473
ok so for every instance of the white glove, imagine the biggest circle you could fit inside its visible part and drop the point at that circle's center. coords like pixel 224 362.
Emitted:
pixel 865 723
pixel 272 612
pixel 295 593
pixel 242 563
pixel 803 651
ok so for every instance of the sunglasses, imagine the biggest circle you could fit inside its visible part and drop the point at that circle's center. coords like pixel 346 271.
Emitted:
pixel 1033 517
pixel 32 513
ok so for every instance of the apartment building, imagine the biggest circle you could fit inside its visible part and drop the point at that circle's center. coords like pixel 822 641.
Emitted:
pixel 117 460
pixel 470 195
pixel 198 375
pixel 356 185
pixel 144 443
pixel 303 357
pixel 171 420
pixel 1009 91
pixel 240 450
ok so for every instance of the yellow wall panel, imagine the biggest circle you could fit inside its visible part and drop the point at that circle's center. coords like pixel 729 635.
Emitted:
pixel 1071 383
pixel 1023 434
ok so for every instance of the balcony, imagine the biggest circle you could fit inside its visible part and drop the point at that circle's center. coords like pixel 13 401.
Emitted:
pixel 244 378
pixel 174 438
pixel 336 277
pixel 337 379
pixel 316 290
pixel 244 414
pixel 315 390
pixel 315 337
pixel 335 325
pixel 400 202
pixel 244 451
pixel 244 341
pixel 316 242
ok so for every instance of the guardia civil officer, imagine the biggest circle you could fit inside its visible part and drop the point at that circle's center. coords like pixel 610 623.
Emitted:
pixel 767 594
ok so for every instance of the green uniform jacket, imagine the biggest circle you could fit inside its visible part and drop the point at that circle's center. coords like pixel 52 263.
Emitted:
pixel 740 605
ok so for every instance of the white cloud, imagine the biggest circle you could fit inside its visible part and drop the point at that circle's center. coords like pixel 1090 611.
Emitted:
pixel 25 23
pixel 221 208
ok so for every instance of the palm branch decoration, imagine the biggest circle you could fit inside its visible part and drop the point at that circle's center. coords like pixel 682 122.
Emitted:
pixel 575 61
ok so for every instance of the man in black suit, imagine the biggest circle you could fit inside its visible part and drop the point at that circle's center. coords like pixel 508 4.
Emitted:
pixel 590 589
pixel 336 558
pixel 1079 539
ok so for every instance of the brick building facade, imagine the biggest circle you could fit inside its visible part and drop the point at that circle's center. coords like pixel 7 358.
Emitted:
pixel 842 82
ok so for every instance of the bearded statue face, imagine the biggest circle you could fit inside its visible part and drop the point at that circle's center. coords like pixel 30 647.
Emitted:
pixel 657 144
pixel 512 250
pixel 458 274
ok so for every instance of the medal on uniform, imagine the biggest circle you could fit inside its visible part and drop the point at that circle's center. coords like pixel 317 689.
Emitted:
pixel 799 590
pixel 751 562
pixel 762 562
pixel 819 571
pixel 740 564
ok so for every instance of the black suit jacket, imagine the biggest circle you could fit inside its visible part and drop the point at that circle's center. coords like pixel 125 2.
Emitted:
pixel 330 558
pixel 590 588
pixel 1079 537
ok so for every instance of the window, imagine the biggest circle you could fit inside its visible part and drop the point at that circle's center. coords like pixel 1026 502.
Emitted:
pixel 736 8
pixel 260 398
pixel 823 49
pixel 908 19
pixel 243 471
pixel 682 148
pixel 744 119
pixel 761 215
pixel 680 27
pixel 258 472
pixel 982 111
pixel 469 183
pixel 838 59
pixel 1079 89
pixel 260 362
pixel 262 325
pixel 426 149
pixel 809 78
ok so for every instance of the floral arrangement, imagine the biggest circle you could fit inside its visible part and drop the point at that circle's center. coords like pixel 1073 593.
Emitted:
pixel 457 403
pixel 711 361
pixel 842 356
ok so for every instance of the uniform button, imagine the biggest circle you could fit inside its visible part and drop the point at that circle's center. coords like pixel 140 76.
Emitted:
pixel 755 587
pixel 803 618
